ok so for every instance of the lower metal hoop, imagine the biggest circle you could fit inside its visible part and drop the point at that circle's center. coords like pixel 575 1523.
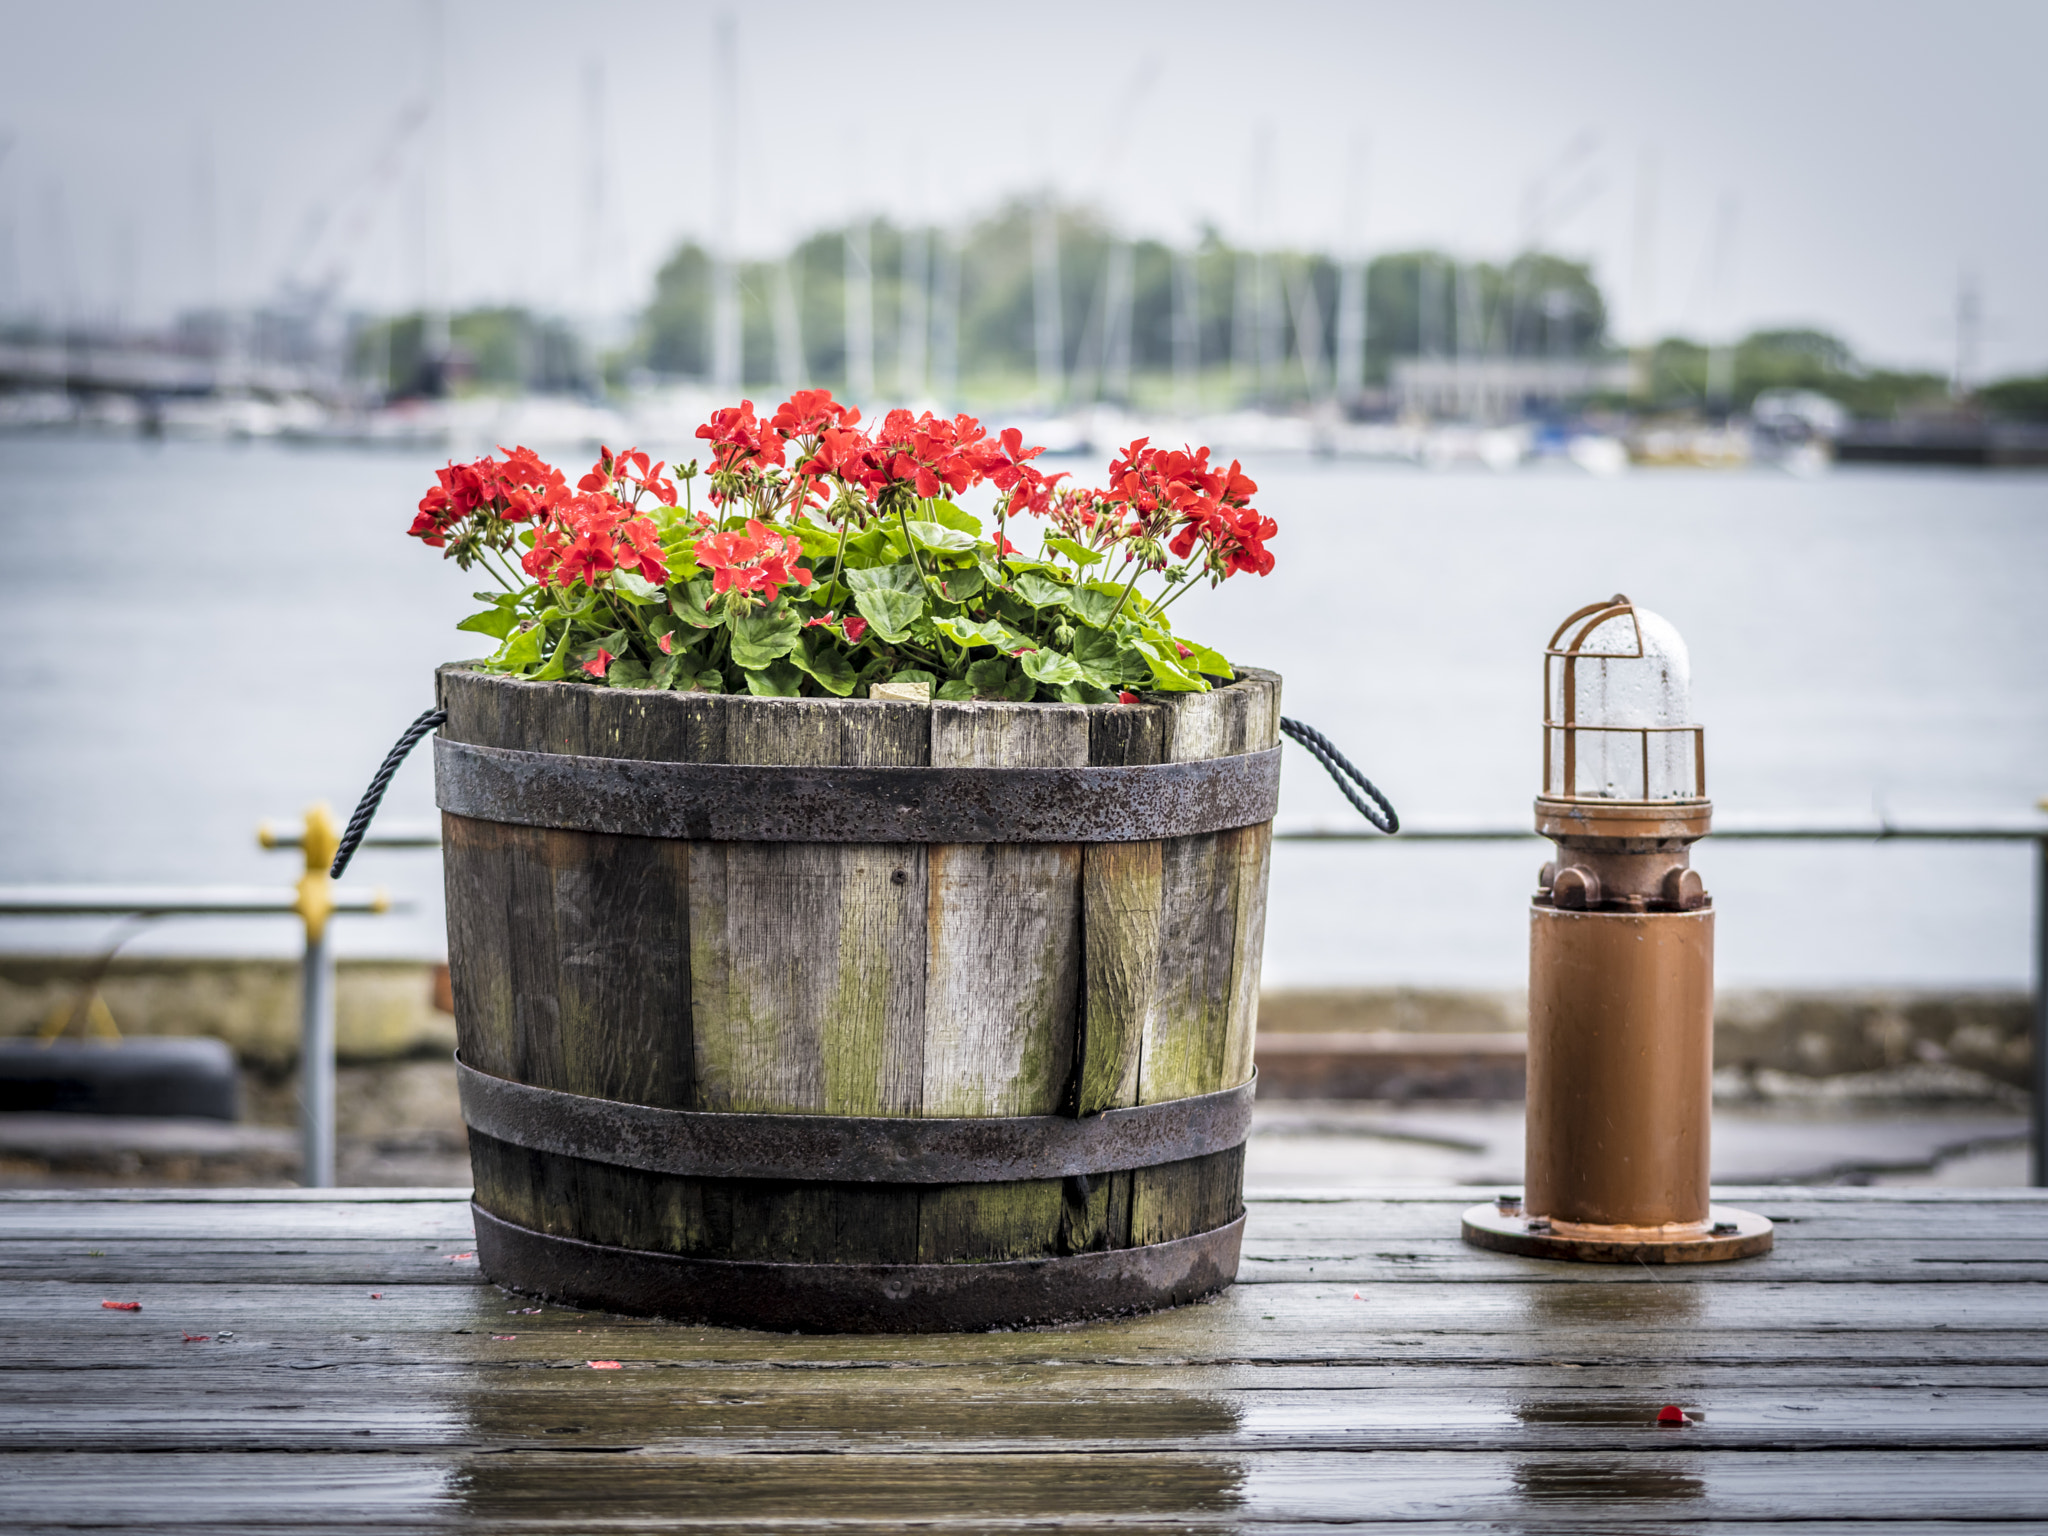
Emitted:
pixel 858 1298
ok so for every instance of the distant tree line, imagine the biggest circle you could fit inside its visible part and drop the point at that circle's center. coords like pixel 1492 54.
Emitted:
pixel 1126 311
pixel 1680 374
pixel 955 315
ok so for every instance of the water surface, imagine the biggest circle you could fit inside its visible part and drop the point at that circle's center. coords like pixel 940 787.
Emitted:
pixel 202 635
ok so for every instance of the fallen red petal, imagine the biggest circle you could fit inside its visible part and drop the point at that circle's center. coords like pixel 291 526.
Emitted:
pixel 376 1295
pixel 503 1338
pixel 198 1338
pixel 1671 1413
pixel 606 1365
pixel 452 1257
pixel 122 1306
pixel 1357 1296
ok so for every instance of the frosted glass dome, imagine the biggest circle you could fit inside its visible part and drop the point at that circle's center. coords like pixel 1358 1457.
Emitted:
pixel 1630 684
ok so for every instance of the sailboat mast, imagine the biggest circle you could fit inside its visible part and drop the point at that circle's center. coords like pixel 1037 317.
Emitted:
pixel 725 300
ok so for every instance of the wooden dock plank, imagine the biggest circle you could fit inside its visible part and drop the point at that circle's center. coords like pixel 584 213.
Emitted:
pixel 1887 1367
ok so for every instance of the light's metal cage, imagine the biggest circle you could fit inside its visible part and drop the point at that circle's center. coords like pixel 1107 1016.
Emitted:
pixel 1561 756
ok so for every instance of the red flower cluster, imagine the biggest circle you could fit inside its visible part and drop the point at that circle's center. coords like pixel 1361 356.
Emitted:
pixel 1160 488
pixel 740 440
pixel 759 561
pixel 629 471
pixel 517 489
pixel 1007 464
pixel 808 414
pixel 593 535
pixel 592 532
pixel 925 455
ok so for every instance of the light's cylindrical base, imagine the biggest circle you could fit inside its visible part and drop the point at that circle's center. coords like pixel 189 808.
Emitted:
pixel 1621 1060
pixel 1728 1234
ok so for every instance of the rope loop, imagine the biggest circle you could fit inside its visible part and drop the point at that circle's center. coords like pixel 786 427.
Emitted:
pixel 366 808
pixel 1373 806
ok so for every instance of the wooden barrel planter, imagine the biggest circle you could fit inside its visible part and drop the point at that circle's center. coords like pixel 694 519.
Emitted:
pixel 853 1016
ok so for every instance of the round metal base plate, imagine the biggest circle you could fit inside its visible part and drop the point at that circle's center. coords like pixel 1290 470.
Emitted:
pixel 1487 1226
pixel 858 1298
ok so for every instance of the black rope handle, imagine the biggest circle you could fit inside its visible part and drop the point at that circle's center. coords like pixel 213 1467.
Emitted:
pixel 366 808
pixel 1380 811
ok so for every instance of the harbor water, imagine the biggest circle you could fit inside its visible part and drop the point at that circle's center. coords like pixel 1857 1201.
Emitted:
pixel 202 635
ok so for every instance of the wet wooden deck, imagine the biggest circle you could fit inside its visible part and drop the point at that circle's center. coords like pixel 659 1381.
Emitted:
pixel 1887 1366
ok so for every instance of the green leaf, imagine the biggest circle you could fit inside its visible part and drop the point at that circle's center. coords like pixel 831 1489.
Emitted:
pixel 961 585
pixel 901 577
pixel 891 612
pixel 777 680
pixel 1207 662
pixel 627 674
pixel 681 560
pixel 689 601
pixel 1092 605
pixel 1039 591
pixel 1080 554
pixel 635 589
pixel 873 547
pixel 818 541
pixel 991 678
pixel 914 675
pixel 944 512
pixel 558 664
pixel 825 662
pixel 1084 692
pixel 522 650
pixel 1050 667
pixel 495 622
pixel 1168 673
pixel 1098 652
pixel 937 536
pixel 956 689
pixel 663 673
pixel 761 636
pixel 710 680
pixel 965 631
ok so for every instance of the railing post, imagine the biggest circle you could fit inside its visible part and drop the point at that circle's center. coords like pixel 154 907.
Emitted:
pixel 316 1017
pixel 316 1061
pixel 2039 1042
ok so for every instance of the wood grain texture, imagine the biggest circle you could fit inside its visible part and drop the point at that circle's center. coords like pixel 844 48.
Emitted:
pixel 366 1394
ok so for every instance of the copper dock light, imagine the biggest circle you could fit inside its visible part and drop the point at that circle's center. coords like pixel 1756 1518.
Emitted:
pixel 1621 965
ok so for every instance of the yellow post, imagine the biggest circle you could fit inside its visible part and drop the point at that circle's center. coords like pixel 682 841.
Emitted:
pixel 316 887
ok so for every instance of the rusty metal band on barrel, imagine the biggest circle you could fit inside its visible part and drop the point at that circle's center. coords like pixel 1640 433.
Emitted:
pixel 859 1298
pixel 846 1149
pixel 725 802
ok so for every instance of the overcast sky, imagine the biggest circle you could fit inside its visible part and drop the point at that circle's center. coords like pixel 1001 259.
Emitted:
pixel 1724 166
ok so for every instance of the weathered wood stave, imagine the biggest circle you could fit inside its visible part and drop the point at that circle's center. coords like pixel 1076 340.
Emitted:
pixel 859 979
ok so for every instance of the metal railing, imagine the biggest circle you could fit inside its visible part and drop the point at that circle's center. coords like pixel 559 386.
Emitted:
pixel 314 900
pixel 1871 829
pixel 317 838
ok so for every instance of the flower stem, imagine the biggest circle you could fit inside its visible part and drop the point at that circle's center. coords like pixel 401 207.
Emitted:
pixel 1128 586
pixel 903 518
pixel 839 561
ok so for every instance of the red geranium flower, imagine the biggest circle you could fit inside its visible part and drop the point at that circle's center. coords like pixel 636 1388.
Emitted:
pixel 809 412
pixel 759 561
pixel 740 440
pixel 852 627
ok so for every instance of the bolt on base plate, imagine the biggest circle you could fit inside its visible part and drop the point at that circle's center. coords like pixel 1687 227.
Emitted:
pixel 1731 1234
